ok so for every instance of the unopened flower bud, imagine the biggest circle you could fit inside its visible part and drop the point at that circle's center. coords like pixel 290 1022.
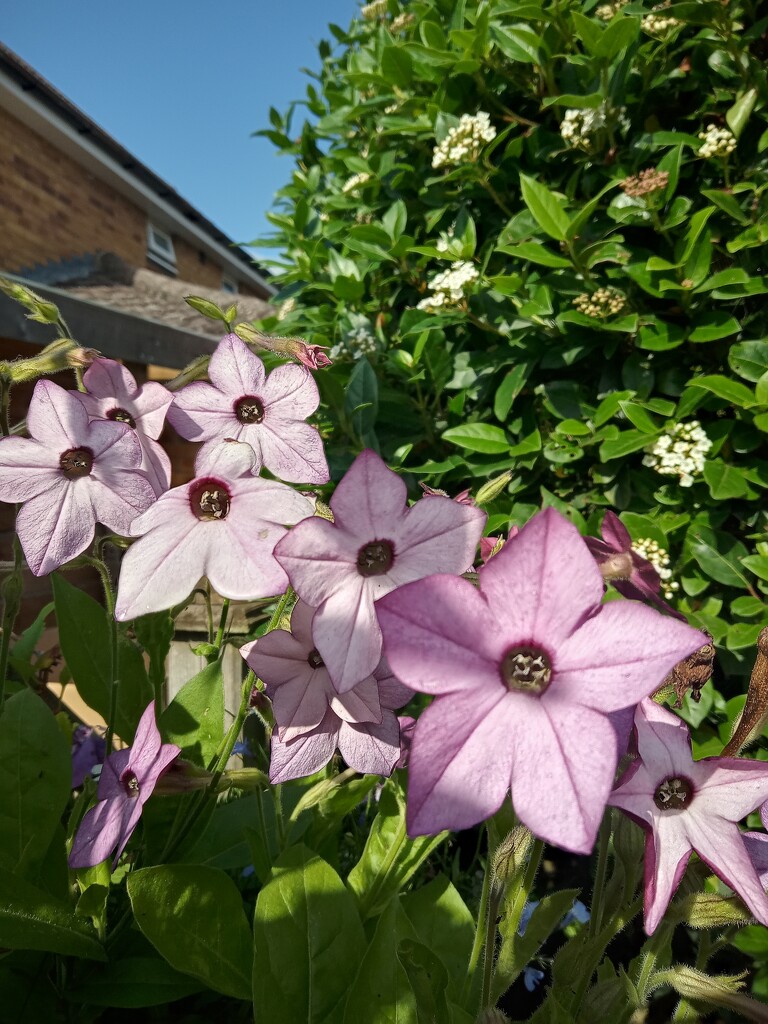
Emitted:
pixel 493 488
pixel 82 358
pixel 244 778
pixel 721 990
pixel 52 359
pixel 708 910
pixel 753 717
pixel 182 777
pixel 511 854
pixel 40 310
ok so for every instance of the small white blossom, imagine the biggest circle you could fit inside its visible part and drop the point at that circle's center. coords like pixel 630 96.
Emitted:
pixel 652 552
pixel 402 21
pixel 602 303
pixel 718 142
pixel 287 307
pixel 658 24
pixel 607 11
pixel 375 10
pixel 682 452
pixel 579 125
pixel 355 182
pixel 464 142
pixel 356 342
pixel 450 287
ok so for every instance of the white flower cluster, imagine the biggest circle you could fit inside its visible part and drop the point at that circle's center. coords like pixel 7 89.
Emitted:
pixel 658 24
pixel 580 124
pixel 607 11
pixel 464 142
pixel 357 342
pixel 449 287
pixel 287 307
pixel 375 10
pixel 682 452
pixel 355 182
pixel 602 303
pixel 652 552
pixel 718 142
pixel 401 22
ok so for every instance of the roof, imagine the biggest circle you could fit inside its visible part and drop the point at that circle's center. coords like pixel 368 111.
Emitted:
pixel 44 108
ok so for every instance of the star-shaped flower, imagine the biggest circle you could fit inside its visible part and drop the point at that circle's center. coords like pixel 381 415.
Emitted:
pixel 223 525
pixel 527 671
pixel 70 474
pixel 688 805
pixel 631 574
pixel 127 780
pixel 265 411
pixel 312 720
pixel 113 394
pixel 374 544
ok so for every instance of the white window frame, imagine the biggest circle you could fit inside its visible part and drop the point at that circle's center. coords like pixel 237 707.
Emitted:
pixel 160 248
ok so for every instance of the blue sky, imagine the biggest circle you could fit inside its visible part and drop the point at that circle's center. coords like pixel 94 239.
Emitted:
pixel 183 83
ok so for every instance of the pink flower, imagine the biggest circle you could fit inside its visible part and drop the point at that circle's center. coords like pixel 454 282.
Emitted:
pixel 687 805
pixel 374 544
pixel 526 670
pixel 632 575
pixel 312 720
pixel 265 411
pixel 70 474
pixel 223 525
pixel 127 780
pixel 114 395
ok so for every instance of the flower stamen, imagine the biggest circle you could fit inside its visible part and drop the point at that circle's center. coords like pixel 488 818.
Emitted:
pixel 76 462
pixel 121 416
pixel 376 558
pixel 314 659
pixel 249 409
pixel 210 500
pixel 674 794
pixel 526 669
pixel 130 783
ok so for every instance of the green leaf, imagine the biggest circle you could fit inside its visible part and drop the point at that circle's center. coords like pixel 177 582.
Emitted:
pixel 535 252
pixel 31 919
pixel 428 979
pixel 382 992
pixel 397 66
pixel 84 633
pixel 307 942
pixel 194 918
pixel 206 307
pixel 627 441
pixel 444 924
pixel 619 35
pixel 133 983
pixel 639 418
pixel 738 115
pixel 24 648
pixel 724 481
pixel 727 203
pixel 730 390
pixel 194 720
pixel 35 781
pixel 361 401
pixel 715 326
pixel 390 857
pixel 509 389
pixel 718 554
pixel 478 437
pixel 758 564
pixel 546 209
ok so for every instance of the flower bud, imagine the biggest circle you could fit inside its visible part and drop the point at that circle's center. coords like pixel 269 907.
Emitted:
pixel 40 310
pixel 721 990
pixel 81 358
pixel 493 488
pixel 511 854
pixel 708 910
pixel 182 777
pixel 244 778
pixel 52 359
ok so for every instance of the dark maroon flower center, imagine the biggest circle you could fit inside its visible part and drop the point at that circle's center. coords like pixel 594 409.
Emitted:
pixel 249 409
pixel 376 558
pixel 209 500
pixel 674 794
pixel 76 462
pixel 130 784
pixel 527 669
pixel 314 659
pixel 122 416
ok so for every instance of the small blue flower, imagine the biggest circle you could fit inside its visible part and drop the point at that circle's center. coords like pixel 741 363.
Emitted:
pixel 526 916
pixel 577 914
pixel 532 978
pixel 242 747
pixel 247 871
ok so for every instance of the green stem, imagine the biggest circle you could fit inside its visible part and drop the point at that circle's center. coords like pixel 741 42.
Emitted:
pixel 660 941
pixel 598 889
pixel 5 404
pixel 279 817
pixel 219 638
pixel 477 946
pixel 495 196
pixel 489 953
pixel 109 600
pixel 12 588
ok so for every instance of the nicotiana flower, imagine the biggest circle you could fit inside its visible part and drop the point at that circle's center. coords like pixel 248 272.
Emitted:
pixel 266 411
pixel 70 474
pixel 113 394
pixel 223 525
pixel 126 783
pixel 757 848
pixel 630 573
pixel 375 543
pixel 688 805
pixel 526 671
pixel 88 750
pixel 311 718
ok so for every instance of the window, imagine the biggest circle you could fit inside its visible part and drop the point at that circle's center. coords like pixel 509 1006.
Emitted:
pixel 160 248
pixel 228 284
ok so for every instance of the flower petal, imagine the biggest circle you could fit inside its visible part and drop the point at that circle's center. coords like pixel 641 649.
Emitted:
pixel 370 500
pixel 200 412
pixel 56 525
pixel 440 635
pixel 118 506
pixel 319 559
pixel 289 393
pixel 733 787
pixel 720 844
pixel 115 446
pixel 347 635
pixel 104 826
pixel 146 744
pixel 756 844
pixel 360 704
pixel 305 755
pixel 292 451
pixel 239 561
pixel 27 468
pixel 667 852
pixel 229 459
pixel 160 570
pixel 56 418
pixel 268 501
pixel 460 761
pixel 565 760
pixel 106 378
pixel 373 748
pixel 615 533
pixel 545 584
pixel 621 655
pixel 436 535
pixel 156 464
pixel 150 408
pixel 234 369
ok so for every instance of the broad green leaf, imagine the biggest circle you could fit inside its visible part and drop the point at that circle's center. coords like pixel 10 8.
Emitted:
pixel 732 391
pixel 478 437
pixel 308 940
pixel 713 326
pixel 35 781
pixel 382 992
pixel 738 115
pixel 194 918
pixel 724 481
pixel 194 720
pixel 397 66
pixel 361 402
pixel 627 441
pixel 390 857
pixel 535 252
pixel 133 983
pixel 509 389
pixel 428 979
pixel 444 924
pixel 758 564
pixel 639 418
pixel 31 919
pixel 84 634
pixel 718 554
pixel 618 36
pixel 24 648
pixel 546 209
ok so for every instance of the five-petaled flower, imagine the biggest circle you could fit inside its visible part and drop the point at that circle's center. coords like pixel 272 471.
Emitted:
pixel 375 543
pixel 223 525
pixel 688 805
pixel 113 394
pixel 312 720
pixel 127 780
pixel 266 411
pixel 70 474
pixel 526 671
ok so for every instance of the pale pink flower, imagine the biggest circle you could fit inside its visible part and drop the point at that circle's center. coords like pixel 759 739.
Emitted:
pixel 266 411
pixel 113 394
pixel 686 805
pixel 312 720
pixel 127 780
pixel 375 543
pixel 223 525
pixel 527 671
pixel 70 474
